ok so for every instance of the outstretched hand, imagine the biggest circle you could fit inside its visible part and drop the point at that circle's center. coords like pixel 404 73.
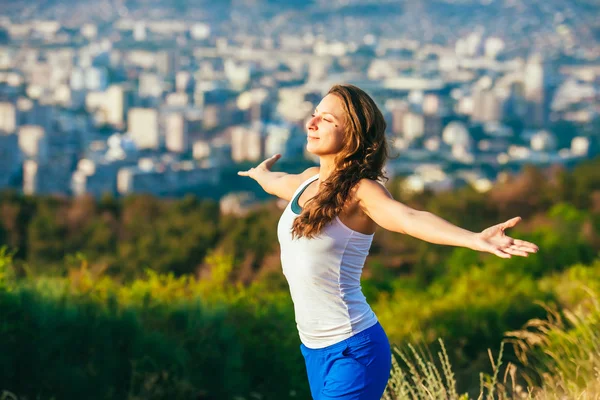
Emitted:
pixel 493 240
pixel 262 167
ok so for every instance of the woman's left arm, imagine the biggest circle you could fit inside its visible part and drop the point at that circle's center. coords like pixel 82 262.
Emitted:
pixel 380 206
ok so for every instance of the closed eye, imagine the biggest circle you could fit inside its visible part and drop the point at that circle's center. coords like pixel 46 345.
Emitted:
pixel 327 120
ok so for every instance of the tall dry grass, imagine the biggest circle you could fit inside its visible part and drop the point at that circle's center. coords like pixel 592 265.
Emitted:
pixel 559 355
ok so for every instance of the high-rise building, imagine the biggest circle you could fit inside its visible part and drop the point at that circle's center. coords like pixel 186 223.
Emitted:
pixel 539 86
pixel 248 142
pixel 96 78
pixel 281 138
pixel 144 128
pixel 255 105
pixel 33 143
pixel 413 125
pixel 30 178
pixel 116 102
pixel 212 116
pixel 398 109
pixel 487 107
pixel 140 32
pixel 534 90
pixel 8 117
pixel 184 82
pixel 77 80
pixel 166 62
pixel 177 138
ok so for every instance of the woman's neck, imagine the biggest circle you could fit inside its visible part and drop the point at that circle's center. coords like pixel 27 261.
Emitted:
pixel 327 166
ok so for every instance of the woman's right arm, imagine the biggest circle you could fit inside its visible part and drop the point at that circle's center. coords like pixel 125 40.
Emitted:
pixel 279 184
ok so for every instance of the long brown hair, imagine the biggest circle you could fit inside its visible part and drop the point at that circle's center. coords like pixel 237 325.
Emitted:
pixel 362 156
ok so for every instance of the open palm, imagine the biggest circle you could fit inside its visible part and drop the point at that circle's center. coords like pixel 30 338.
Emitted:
pixel 494 240
pixel 266 165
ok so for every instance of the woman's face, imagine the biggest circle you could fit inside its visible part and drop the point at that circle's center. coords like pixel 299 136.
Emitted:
pixel 325 128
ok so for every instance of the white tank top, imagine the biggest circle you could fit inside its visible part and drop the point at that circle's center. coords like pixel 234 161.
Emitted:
pixel 323 274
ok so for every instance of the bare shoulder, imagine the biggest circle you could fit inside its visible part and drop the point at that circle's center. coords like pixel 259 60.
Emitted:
pixel 298 179
pixel 311 171
pixel 286 186
pixel 369 195
pixel 368 187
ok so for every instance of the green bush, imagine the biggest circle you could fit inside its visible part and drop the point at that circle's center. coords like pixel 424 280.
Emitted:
pixel 162 337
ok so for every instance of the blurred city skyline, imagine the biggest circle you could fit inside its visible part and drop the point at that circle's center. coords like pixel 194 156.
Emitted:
pixel 123 97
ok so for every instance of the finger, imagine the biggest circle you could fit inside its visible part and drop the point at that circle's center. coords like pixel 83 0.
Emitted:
pixel 500 253
pixel 524 248
pixel 511 222
pixel 523 243
pixel 515 252
pixel 243 173
pixel 268 163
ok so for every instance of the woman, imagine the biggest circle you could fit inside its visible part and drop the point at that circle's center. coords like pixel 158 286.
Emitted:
pixel 325 234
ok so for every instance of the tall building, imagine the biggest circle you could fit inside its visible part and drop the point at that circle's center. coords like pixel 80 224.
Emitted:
pixel 144 128
pixel 534 90
pixel 8 117
pixel 237 74
pixel 30 177
pixel 213 116
pixel 248 142
pixel 487 107
pixel 284 139
pixel 539 86
pixel 77 79
pixel 255 104
pixel 115 105
pixel 177 138
pixel 95 78
pixel 184 82
pixel 166 61
pixel 33 143
pixel 413 125
pixel 140 32
pixel 398 110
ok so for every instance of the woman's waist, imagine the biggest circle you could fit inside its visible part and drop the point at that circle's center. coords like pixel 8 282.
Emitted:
pixel 322 332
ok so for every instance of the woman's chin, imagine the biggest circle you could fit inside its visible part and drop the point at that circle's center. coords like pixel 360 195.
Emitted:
pixel 319 152
pixel 312 149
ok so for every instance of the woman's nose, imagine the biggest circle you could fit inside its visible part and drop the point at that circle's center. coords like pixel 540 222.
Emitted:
pixel 312 123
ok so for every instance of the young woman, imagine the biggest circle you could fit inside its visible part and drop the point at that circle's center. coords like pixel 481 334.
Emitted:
pixel 325 234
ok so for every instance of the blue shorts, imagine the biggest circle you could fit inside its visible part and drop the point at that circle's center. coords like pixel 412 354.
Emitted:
pixel 357 368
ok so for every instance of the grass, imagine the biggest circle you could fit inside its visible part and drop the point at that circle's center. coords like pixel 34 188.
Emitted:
pixel 560 359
